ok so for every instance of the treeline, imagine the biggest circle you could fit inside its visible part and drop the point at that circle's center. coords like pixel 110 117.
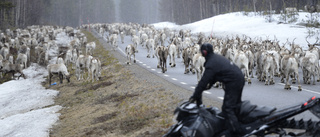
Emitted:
pixel 22 13
pixel 187 11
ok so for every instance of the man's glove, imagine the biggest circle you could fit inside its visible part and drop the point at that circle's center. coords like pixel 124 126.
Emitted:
pixel 198 101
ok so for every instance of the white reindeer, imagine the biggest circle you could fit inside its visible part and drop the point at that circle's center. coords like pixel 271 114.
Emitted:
pixel 95 69
pixel 74 58
pixel 58 69
pixel 122 36
pixel 4 52
pixel 198 63
pixel 143 39
pixel 289 67
pixel 135 40
pixel 150 47
pixel 68 58
pixel 310 67
pixel 242 61
pixel 114 41
pixel 60 60
pixel 130 51
pixel 22 60
pixel 9 67
pixel 90 47
pixel 269 64
pixel 88 59
pixel 172 50
pixel 80 66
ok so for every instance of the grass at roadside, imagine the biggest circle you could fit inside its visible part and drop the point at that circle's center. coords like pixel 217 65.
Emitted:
pixel 117 105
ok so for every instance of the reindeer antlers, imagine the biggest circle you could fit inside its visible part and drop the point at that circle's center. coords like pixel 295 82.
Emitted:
pixel 314 42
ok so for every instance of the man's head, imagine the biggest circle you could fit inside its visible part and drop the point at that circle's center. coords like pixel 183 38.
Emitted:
pixel 206 49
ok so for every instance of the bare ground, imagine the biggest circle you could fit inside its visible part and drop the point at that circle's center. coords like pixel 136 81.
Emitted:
pixel 127 101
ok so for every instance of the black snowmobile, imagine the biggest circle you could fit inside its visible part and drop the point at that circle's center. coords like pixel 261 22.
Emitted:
pixel 194 121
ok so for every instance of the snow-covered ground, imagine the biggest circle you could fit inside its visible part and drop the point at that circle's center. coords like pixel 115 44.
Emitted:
pixel 26 106
pixel 23 102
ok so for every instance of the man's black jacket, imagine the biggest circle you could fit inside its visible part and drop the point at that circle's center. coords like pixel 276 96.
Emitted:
pixel 218 68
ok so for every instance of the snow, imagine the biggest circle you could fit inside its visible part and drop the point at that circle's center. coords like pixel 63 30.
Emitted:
pixel 233 24
pixel 26 108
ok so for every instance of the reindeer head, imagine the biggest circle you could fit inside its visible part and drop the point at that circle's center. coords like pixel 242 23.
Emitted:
pixel 311 46
pixel 68 78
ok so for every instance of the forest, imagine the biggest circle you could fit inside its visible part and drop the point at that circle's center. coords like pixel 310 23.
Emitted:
pixel 22 13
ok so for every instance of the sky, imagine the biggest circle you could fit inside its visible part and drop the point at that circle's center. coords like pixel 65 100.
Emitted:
pixel 27 108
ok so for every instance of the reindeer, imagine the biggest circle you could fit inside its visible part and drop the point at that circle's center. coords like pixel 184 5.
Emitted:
pixel 172 50
pixel 310 67
pixel 135 40
pixel 59 60
pixel 150 47
pixel 313 48
pixel 162 55
pixel 269 65
pixel 95 69
pixel 58 69
pixel 90 47
pixel 68 58
pixel 114 41
pixel 9 67
pixel 198 63
pixel 289 67
pixel 22 59
pixel 80 66
pixel 130 51
pixel 242 61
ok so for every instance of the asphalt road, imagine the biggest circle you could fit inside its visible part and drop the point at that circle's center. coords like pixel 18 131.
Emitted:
pixel 257 92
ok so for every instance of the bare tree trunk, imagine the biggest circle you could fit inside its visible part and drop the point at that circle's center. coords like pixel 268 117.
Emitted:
pixel 24 13
pixel 80 10
pixel 201 10
pixel 254 6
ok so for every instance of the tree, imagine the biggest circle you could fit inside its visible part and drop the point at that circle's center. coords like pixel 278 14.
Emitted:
pixel 5 18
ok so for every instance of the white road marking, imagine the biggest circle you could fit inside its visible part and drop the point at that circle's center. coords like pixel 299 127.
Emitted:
pixel 193 87
pixel 220 98
pixel 183 83
pixel 207 92
pixel 121 50
pixel 174 79
pixel 165 75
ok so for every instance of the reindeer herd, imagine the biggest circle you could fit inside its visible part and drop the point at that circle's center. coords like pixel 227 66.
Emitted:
pixel 38 44
pixel 264 59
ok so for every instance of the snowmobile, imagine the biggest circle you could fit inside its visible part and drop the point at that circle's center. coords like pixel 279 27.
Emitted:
pixel 201 121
